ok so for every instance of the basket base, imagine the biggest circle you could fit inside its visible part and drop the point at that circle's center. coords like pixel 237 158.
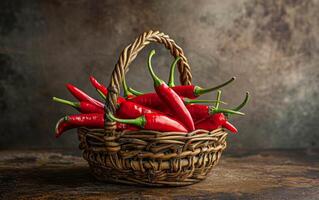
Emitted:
pixel 152 158
pixel 105 175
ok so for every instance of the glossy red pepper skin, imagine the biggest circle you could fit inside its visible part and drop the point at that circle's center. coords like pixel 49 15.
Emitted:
pixel 61 127
pixel 92 120
pixel 187 91
pixel 128 127
pixel 176 105
pixel 198 111
pixel 162 123
pixel 215 121
pixel 131 110
pixel 212 122
pixel 98 85
pixel 85 108
pixel 230 127
pixel 150 100
pixel 82 96
pixel 103 89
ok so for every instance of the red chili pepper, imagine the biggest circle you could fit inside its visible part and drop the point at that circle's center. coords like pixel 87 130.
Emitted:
pixel 83 107
pixel 82 96
pixel 212 122
pixel 128 109
pixel 153 121
pixel 230 127
pixel 152 100
pixel 122 127
pixel 171 99
pixel 86 120
pixel 191 91
pixel 215 121
pixel 203 111
pixel 131 110
pixel 99 87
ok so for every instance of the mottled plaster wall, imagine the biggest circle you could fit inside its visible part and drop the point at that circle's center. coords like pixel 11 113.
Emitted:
pixel 272 48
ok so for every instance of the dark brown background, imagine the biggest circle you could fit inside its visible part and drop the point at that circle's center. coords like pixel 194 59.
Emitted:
pixel 270 46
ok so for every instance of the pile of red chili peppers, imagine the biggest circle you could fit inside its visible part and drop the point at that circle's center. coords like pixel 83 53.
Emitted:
pixel 169 108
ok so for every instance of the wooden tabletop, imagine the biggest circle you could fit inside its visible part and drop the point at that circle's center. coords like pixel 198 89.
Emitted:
pixel 292 174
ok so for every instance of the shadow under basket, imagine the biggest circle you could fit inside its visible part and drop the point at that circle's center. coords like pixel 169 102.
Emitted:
pixel 146 157
pixel 152 158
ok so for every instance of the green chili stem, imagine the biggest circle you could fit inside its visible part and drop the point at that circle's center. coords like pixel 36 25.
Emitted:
pixel 219 93
pixel 135 92
pixel 243 103
pixel 199 91
pixel 171 81
pixel 188 101
pixel 140 121
pixel 101 94
pixel 126 90
pixel 156 79
pixel 226 111
pixel 66 102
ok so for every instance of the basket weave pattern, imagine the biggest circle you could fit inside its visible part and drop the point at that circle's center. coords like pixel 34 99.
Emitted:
pixel 149 157
pixel 152 158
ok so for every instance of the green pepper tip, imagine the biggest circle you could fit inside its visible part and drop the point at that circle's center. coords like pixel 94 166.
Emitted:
pixel 247 97
pixel 199 91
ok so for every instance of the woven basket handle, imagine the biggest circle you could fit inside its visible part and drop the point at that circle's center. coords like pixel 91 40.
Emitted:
pixel 130 53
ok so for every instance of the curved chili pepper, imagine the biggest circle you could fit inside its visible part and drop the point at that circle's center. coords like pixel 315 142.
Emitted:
pixel 219 119
pixel 170 98
pixel 126 109
pixel 192 91
pixel 86 120
pixel 153 121
pixel 83 107
pixel 211 123
pixel 99 87
pixel 131 110
pixel 188 91
pixel 152 100
pixel 230 127
pixel 199 112
pixel 119 99
pixel 215 121
pixel 82 96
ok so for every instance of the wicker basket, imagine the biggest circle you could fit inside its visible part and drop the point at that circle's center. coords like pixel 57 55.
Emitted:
pixel 149 157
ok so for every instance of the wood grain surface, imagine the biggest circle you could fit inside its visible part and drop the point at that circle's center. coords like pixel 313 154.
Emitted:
pixel 271 174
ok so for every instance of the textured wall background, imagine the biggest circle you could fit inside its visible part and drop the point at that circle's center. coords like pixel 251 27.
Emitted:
pixel 271 46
